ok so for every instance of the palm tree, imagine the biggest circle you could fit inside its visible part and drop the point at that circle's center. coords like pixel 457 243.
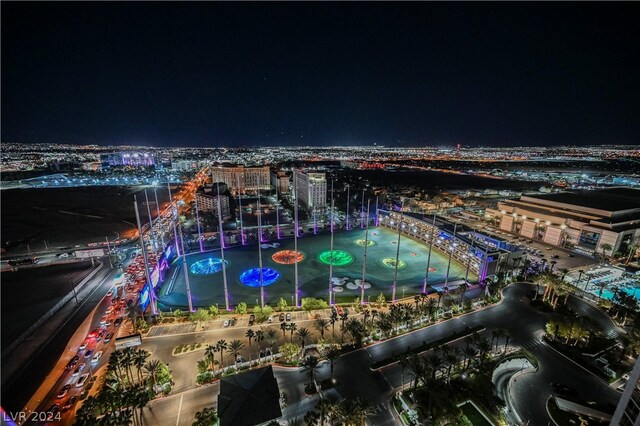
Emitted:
pixel 343 317
pixel 139 358
pixel 284 328
pixel 333 319
pixel 469 353
pixel 451 358
pixel 271 339
pixel 332 354
pixel 209 354
pixel 564 272
pixel 249 335
pixel 506 341
pixel 235 346
pixel 152 368
pixel 355 412
pixel 484 347
pixel 292 327
pixel 303 334
pixel 310 364
pixel 221 346
pixel 356 329
pixel 259 337
pixel 605 247
pixel 321 325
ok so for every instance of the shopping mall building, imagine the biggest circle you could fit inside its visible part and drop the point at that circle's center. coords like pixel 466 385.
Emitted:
pixel 588 221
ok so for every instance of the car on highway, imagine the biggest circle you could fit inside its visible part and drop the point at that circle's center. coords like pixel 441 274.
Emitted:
pixel 96 357
pixel 110 293
pixel 62 255
pixel 117 322
pixel 70 402
pixel 108 337
pixel 88 353
pixel 82 380
pixel 78 370
pixel 53 409
pixel 63 391
pixel 83 346
pixel 72 363
pixel 94 333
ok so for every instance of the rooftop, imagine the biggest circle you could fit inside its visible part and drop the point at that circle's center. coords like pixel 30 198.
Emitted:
pixel 611 199
pixel 249 398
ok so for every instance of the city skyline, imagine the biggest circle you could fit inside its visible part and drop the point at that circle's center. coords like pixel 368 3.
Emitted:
pixel 320 74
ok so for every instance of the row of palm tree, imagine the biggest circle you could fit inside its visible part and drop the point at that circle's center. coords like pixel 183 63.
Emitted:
pixel 131 381
pixel 330 411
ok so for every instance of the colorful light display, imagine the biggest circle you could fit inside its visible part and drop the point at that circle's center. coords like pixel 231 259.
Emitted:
pixel 251 277
pixel 339 257
pixel 287 257
pixel 207 266
pixel 362 242
pixel 390 262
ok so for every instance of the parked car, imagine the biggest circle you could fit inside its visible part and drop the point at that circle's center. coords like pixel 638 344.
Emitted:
pixel 63 391
pixel 82 380
pixel 288 316
pixel 72 363
pixel 252 319
pixel 78 369
pixel 281 317
pixel 234 321
pixel 225 323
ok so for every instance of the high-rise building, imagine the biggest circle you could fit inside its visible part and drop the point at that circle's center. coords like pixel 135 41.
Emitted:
pixel 207 199
pixel 311 189
pixel 240 178
pixel 280 180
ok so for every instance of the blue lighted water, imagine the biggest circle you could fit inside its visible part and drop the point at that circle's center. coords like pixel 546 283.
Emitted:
pixel 207 266
pixel 251 277
pixel 631 287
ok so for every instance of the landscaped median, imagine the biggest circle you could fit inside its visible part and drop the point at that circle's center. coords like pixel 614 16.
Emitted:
pixel 187 349
pixel 427 346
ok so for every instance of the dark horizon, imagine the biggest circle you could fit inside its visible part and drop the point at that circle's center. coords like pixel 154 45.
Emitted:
pixel 321 74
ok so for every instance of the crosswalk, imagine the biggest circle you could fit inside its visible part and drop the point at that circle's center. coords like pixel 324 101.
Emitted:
pixel 613 334
pixel 531 344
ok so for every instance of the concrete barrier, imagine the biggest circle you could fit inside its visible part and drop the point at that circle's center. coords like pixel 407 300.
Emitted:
pixel 51 312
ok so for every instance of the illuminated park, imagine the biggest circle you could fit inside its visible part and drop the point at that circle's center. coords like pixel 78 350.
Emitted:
pixel 314 259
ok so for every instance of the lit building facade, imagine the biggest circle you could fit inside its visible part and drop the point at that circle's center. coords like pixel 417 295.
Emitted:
pixel 589 221
pixel 280 180
pixel 243 179
pixel 207 200
pixel 311 188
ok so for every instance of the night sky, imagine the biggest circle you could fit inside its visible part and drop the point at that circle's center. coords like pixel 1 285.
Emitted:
pixel 238 74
